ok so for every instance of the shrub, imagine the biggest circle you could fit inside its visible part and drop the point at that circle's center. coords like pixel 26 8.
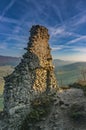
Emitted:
pixel 77 112
pixel 41 107
pixel 75 85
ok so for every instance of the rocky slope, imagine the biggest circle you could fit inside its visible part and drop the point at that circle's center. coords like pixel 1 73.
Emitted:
pixel 68 112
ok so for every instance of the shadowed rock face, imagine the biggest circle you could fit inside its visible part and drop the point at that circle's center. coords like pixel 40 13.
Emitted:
pixel 33 75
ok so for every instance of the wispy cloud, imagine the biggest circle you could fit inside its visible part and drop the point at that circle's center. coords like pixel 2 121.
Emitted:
pixel 57 47
pixel 61 32
pixel 67 48
pixel 3 46
pixel 79 19
pixel 7 8
pixel 56 31
pixel 14 36
pixel 9 20
pixel 76 20
pixel 58 12
pixel 81 38
pixel 66 27
pixel 80 49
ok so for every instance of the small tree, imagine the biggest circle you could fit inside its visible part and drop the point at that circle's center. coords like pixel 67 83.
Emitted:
pixel 83 72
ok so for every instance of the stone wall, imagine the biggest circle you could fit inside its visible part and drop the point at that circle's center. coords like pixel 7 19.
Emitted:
pixel 34 75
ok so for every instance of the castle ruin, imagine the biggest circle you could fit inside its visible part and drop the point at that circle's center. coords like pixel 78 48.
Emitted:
pixel 34 75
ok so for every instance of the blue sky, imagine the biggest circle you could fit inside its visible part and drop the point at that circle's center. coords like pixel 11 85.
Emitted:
pixel 65 19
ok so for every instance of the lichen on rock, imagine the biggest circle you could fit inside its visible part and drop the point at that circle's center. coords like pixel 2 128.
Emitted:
pixel 34 75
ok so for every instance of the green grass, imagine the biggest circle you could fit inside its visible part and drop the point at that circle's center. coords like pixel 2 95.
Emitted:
pixel 65 76
pixel 77 112
pixel 68 77
pixel 68 74
pixel 41 107
pixel 4 71
pixel 1 103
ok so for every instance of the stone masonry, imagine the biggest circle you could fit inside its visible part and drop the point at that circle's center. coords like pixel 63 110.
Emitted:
pixel 34 74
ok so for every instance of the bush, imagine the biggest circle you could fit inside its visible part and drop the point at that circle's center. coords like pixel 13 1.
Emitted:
pixel 41 107
pixel 77 112
pixel 75 85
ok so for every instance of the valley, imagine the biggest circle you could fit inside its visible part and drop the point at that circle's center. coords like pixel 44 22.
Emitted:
pixel 66 73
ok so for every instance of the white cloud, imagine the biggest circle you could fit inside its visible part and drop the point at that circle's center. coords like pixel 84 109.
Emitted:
pixel 61 32
pixel 56 31
pixel 14 36
pixel 76 20
pixel 9 20
pixel 3 46
pixel 68 27
pixel 58 12
pixel 58 47
pixel 80 49
pixel 81 38
pixel 7 8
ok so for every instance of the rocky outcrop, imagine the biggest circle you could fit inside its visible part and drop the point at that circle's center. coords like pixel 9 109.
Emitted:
pixel 31 99
pixel 34 75
pixel 68 112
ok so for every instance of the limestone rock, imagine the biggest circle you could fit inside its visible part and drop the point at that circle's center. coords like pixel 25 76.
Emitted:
pixel 34 74
pixel 60 117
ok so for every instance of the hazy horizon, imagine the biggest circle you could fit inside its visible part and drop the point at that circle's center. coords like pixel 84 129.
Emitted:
pixel 53 58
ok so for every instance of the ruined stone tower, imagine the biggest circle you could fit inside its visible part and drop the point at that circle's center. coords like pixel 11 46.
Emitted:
pixel 33 75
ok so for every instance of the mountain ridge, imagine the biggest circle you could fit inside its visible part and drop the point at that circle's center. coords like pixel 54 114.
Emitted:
pixel 59 62
pixel 13 61
pixel 9 60
pixel 74 66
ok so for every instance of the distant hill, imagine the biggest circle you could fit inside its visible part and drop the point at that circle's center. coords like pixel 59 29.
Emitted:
pixel 4 71
pixel 58 62
pixel 8 60
pixel 66 71
pixel 73 66
pixel 68 74
pixel 13 61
